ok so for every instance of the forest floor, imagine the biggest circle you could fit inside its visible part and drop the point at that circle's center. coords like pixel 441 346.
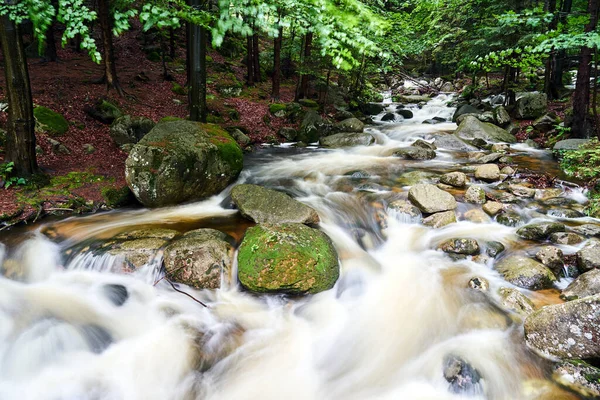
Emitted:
pixel 76 180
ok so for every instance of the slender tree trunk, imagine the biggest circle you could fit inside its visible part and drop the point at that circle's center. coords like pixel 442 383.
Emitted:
pixel 581 97
pixel 304 77
pixel 20 137
pixel 277 65
pixel 595 94
pixel 50 45
pixel 197 72
pixel 550 6
pixel 110 69
pixel 561 56
pixel 172 43
pixel 250 61
pixel 256 58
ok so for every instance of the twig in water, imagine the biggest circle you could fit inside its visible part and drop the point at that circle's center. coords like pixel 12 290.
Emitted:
pixel 188 295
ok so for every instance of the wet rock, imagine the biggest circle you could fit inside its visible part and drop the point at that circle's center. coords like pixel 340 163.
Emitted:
pixel 440 219
pixel 568 330
pixel 405 207
pixel 509 218
pixel 198 260
pixel 492 208
pixel 347 140
pixel 128 129
pixel 371 108
pixel 477 216
pixel 514 300
pixel 531 105
pixel 472 128
pixel 551 257
pixel 288 133
pixel 525 272
pixel 565 213
pixel 431 122
pixel 456 179
pixel 447 87
pixel 451 142
pixel 475 195
pixel 461 375
pixel 540 231
pixel 263 205
pixel 353 125
pixel 480 144
pixel 287 258
pixel 429 199
pixel 415 153
pixel 559 201
pixel 465 109
pixel 489 158
pixel 487 116
pixel 312 127
pixel 589 256
pixel 566 238
pixel 587 284
pixel 423 144
pixel 117 294
pixel 406 114
pixel 541 389
pixel 545 123
pixel 587 230
pixel 415 177
pixel 579 377
pixel 460 246
pixel 493 248
pixel 240 137
pixel 521 191
pixel 487 172
pixel 181 161
pixel 569 144
pixel 500 148
pixel 507 171
pixel 137 253
pixel 480 284
pixel 152 233
pixel 502 116
pixel 388 117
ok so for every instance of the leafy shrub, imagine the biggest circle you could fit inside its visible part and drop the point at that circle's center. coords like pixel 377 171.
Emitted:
pixel 6 173
pixel 583 163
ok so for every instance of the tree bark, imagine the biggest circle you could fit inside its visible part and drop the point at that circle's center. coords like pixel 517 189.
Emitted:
pixel 256 58
pixel 550 6
pixel 110 69
pixel 581 97
pixel 277 65
pixel 20 137
pixel 561 56
pixel 250 61
pixel 50 45
pixel 304 77
pixel 197 73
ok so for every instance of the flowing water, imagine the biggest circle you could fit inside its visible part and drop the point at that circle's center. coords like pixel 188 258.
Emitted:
pixel 73 326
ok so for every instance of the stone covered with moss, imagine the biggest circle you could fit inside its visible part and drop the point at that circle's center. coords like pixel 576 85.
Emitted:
pixel 182 161
pixel 287 258
pixel 115 197
pixel 50 122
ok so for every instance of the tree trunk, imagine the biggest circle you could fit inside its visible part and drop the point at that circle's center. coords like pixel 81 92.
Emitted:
pixel 277 65
pixel 581 97
pixel 304 78
pixel 20 136
pixel 50 45
pixel 197 73
pixel 106 25
pixel 550 7
pixel 250 61
pixel 256 59
pixel 561 56
pixel 172 43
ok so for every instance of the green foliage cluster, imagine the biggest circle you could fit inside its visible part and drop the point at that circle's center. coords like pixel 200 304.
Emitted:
pixel 583 163
pixel 9 179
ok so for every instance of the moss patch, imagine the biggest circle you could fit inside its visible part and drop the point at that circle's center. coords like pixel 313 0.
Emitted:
pixel 50 122
pixel 118 197
pixel 274 108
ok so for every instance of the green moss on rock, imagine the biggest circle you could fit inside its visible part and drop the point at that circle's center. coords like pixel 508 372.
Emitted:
pixel 50 122
pixel 276 107
pixel 287 258
pixel 118 197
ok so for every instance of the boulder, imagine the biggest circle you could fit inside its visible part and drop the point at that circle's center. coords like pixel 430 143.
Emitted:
pixel 350 125
pixel 262 205
pixel 545 123
pixel 240 137
pixel 429 199
pixel 404 207
pixel 450 142
pixel 587 229
pixel 441 219
pixel 414 177
pixel 500 148
pixel 50 122
pixel 587 284
pixel 502 117
pixel 406 114
pixel 472 128
pixel 579 377
pixel 487 172
pixel 479 283
pixel 460 246
pixel 551 257
pixel 128 129
pixel 388 117
pixel 540 231
pixel 492 208
pixel 347 140
pixel 288 133
pixel 461 376
pixel 569 238
pixel 181 161
pixel 287 258
pixel 475 195
pixel 138 247
pixel 569 144
pixel 198 259
pixel 465 109
pixel 509 218
pixel 456 179
pixel 424 144
pixel 531 105
pixel 521 191
pixel 312 127
pixel 489 158
pixel 525 272
pixel 494 248
pixel 104 111
pixel 415 153
pixel 515 301
pixel 372 108
pixel 447 87
pixel 568 330
pixel 589 256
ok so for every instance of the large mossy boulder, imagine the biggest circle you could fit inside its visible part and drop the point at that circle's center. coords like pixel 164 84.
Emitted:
pixel 587 284
pixel 540 231
pixel 568 330
pixel 267 206
pixel 531 105
pixel 104 111
pixel 198 259
pixel 372 108
pixel 353 125
pixel 525 272
pixel 181 161
pixel 50 122
pixel 465 109
pixel 128 129
pixel 347 140
pixel 472 128
pixel 312 127
pixel 287 258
